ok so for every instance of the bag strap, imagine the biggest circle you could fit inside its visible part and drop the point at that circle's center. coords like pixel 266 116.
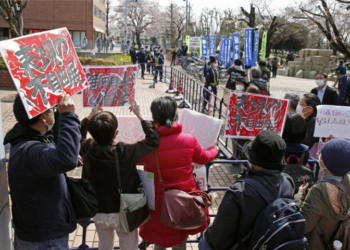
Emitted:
pixel 159 172
pixel 293 156
pixel 339 185
pixel 117 172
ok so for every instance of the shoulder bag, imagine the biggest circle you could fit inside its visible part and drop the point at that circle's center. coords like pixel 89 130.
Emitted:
pixel 182 210
pixel 134 211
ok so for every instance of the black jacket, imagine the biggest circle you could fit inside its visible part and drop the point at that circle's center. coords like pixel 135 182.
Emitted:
pixel 239 209
pixel 41 206
pixel 263 86
pixel 330 96
pixel 233 74
pixel 310 129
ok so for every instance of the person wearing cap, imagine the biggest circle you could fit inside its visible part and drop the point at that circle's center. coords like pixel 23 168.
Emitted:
pixel 339 72
pixel 344 88
pixel 211 81
pixel 241 85
pixel 133 55
pixel 141 58
pixel 158 62
pixel 234 71
pixel 242 204
pixel 326 94
pixel 326 205
pixel 208 64
pixel 184 49
pixel 274 64
pixel 265 73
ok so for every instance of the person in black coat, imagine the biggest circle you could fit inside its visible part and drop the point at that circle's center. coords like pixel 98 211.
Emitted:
pixel 173 57
pixel 344 88
pixel 184 50
pixel 326 94
pixel 133 55
pixel 141 58
pixel 234 72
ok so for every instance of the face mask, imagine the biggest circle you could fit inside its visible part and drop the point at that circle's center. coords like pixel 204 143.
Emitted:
pixel 49 127
pixel 215 65
pixel 239 87
pixel 299 110
pixel 348 72
pixel 320 83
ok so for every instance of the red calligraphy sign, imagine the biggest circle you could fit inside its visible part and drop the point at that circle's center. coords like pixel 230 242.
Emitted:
pixel 110 86
pixel 248 114
pixel 43 66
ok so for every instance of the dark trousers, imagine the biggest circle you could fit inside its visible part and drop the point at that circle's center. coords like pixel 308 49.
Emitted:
pixel 142 68
pixel 274 71
pixel 160 70
pixel 172 61
pixel 149 67
pixel 207 94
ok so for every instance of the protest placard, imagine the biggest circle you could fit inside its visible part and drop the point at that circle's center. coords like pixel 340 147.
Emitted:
pixel 43 66
pixel 130 129
pixel 332 120
pixel 113 86
pixel 248 114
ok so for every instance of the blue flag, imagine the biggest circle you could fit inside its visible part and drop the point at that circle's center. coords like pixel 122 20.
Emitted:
pixel 248 47
pixel 256 47
pixel 227 53
pixel 212 45
pixel 204 47
pixel 236 46
pixel 221 54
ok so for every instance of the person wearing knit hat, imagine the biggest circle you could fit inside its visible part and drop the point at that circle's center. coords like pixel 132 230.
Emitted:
pixel 327 204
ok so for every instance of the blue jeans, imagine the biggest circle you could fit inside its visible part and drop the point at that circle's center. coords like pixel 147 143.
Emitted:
pixel 53 244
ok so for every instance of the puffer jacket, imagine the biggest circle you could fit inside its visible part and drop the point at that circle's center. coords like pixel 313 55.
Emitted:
pixel 176 153
pixel 263 86
pixel 325 206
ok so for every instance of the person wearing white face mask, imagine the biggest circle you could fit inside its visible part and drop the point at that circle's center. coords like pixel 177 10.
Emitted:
pixel 240 85
pixel 344 88
pixel 326 94
pixel 307 109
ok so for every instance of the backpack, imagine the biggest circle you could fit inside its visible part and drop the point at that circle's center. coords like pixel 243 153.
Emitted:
pixel 343 232
pixel 280 225
pixel 298 172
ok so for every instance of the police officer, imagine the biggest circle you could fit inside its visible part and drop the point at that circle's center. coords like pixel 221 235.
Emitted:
pixel 159 66
pixel 161 54
pixel 133 55
pixel 344 88
pixel 211 81
pixel 150 62
pixel 141 58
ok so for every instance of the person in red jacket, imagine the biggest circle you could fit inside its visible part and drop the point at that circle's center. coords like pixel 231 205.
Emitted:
pixel 176 152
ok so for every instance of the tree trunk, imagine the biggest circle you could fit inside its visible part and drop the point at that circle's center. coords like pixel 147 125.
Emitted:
pixel 138 39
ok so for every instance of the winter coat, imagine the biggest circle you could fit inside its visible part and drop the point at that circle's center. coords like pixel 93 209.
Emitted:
pixel 234 72
pixel 265 73
pixel 310 140
pixel 263 86
pixel 239 209
pixel 41 205
pixel 297 149
pixel 176 153
pixel 326 207
pixel 99 165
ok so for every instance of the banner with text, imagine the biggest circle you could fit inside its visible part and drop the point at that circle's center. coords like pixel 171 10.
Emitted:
pixel 113 86
pixel 227 53
pixel 256 47
pixel 263 46
pixel 43 66
pixel 204 47
pixel 332 120
pixel 248 46
pixel 195 42
pixel 222 51
pixel 212 45
pixel 248 114
pixel 236 46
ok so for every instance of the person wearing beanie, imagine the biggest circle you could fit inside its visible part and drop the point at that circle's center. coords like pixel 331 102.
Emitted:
pixel 265 72
pixel 234 71
pixel 242 204
pixel 326 205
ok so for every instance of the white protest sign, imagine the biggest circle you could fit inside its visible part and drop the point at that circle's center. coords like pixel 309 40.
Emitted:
pixel 130 129
pixel 332 120
pixel 195 42
pixel 147 179
pixel 200 175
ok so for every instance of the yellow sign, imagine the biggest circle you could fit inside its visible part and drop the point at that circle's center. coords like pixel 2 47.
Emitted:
pixel 188 42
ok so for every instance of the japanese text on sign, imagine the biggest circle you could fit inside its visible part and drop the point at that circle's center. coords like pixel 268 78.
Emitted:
pixel 248 114
pixel 236 46
pixel 332 120
pixel 43 66
pixel 110 86
pixel 212 45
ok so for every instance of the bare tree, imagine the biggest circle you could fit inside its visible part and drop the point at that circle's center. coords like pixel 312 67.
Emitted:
pixel 249 16
pixel 345 2
pixel 174 22
pixel 108 11
pixel 11 12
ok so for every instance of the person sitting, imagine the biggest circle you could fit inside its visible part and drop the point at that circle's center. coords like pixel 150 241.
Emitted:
pixel 99 168
pixel 294 134
pixel 176 152
pixel 307 109
pixel 293 101
pixel 326 94
pixel 326 205
pixel 255 79
pixel 235 71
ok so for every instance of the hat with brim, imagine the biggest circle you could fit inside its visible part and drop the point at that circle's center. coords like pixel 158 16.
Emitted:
pixel 266 151
pixel 212 59
pixel 242 80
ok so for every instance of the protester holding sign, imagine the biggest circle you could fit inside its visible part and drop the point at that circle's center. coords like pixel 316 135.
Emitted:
pixel 176 152
pixel 41 205
pixel 99 168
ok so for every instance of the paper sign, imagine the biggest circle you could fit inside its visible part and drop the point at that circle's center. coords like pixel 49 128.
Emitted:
pixel 332 120
pixel 195 42
pixel 110 86
pixel 200 175
pixel 204 128
pixel 130 129
pixel 147 179
pixel 248 114
pixel 43 66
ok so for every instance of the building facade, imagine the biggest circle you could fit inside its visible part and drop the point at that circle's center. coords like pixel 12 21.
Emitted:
pixel 81 17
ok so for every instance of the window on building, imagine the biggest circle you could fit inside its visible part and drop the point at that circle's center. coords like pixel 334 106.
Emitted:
pixel 77 37
pixel 95 11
